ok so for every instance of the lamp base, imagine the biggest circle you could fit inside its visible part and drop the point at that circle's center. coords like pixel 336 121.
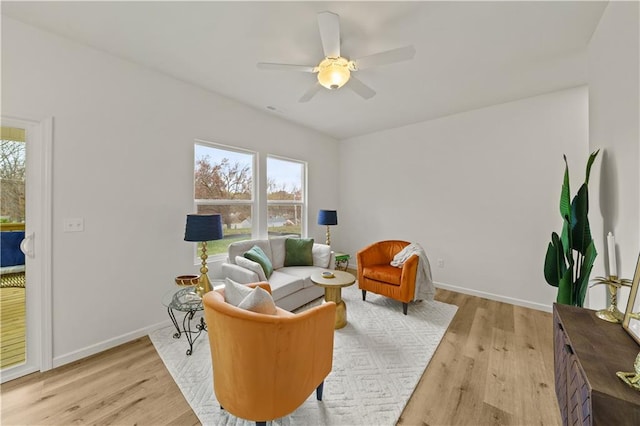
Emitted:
pixel 204 285
pixel 611 313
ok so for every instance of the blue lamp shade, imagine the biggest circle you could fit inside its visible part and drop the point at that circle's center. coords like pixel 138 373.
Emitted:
pixel 327 217
pixel 203 227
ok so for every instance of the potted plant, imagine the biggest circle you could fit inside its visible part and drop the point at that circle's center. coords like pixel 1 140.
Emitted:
pixel 570 256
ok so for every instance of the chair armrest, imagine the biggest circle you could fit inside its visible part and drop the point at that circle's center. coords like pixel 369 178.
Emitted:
pixel 239 274
pixel 409 271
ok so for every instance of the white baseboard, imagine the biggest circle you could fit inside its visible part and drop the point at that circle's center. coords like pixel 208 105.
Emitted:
pixel 107 344
pixel 497 297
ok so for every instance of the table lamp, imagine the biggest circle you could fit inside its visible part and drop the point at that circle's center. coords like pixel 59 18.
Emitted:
pixel 202 228
pixel 328 217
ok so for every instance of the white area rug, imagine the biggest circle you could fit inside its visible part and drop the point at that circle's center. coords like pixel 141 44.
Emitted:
pixel 377 361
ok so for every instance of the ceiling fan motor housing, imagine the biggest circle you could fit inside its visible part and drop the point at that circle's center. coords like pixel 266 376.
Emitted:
pixel 333 73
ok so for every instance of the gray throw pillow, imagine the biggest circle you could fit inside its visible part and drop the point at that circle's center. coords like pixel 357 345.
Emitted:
pixel 234 292
pixel 260 301
pixel 252 266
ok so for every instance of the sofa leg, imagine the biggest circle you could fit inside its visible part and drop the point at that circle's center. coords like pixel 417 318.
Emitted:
pixel 364 294
pixel 319 391
pixel 404 308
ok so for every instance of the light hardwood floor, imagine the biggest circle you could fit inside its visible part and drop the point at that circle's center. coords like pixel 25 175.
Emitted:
pixel 494 366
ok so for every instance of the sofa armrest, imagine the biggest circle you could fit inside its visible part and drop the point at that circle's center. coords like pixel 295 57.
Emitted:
pixel 239 274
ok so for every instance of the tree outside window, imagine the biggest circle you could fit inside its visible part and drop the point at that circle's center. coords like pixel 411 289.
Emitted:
pixel 223 184
pixel 12 176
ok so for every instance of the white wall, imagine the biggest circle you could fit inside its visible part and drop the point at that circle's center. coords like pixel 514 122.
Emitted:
pixel 479 190
pixel 123 161
pixel 614 128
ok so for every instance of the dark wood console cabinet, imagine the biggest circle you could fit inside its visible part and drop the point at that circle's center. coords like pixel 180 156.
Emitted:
pixel 587 354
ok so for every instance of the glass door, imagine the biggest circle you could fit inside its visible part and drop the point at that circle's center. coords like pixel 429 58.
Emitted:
pixel 13 170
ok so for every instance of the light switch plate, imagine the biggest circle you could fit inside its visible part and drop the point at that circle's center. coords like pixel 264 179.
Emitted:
pixel 74 224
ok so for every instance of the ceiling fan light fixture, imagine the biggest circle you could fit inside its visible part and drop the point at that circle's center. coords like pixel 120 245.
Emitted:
pixel 333 73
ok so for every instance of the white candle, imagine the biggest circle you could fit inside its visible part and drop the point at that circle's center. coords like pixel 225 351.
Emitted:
pixel 611 245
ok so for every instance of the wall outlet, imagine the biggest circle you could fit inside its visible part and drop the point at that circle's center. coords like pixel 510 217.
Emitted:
pixel 440 263
pixel 74 224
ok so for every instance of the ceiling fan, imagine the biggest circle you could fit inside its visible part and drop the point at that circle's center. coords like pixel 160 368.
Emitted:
pixel 334 71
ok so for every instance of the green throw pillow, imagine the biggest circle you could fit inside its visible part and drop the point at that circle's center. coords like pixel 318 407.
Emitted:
pixel 298 252
pixel 257 255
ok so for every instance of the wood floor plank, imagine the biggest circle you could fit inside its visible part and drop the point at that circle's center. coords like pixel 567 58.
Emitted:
pixel 130 385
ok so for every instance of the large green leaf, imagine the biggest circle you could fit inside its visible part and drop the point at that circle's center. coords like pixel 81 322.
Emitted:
pixel 565 294
pixel 580 231
pixel 554 263
pixel 582 283
pixel 592 158
pixel 565 194
pixel 566 240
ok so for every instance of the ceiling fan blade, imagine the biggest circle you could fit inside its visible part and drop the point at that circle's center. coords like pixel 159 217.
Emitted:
pixel 329 24
pixel 285 67
pixel 360 88
pixel 386 57
pixel 310 93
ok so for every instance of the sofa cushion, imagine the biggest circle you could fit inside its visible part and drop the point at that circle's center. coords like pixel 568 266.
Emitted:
pixel 302 272
pixel 384 273
pixel 234 293
pixel 298 252
pixel 256 254
pixel 283 284
pixel 252 266
pixel 321 254
pixel 259 300
pixel 239 248
pixel 277 251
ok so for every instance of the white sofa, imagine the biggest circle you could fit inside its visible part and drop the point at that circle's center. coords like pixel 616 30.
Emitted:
pixel 291 286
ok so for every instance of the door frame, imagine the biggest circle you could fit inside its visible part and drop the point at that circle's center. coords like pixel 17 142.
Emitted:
pixel 39 324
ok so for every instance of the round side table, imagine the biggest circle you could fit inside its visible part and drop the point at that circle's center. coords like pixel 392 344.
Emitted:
pixel 333 292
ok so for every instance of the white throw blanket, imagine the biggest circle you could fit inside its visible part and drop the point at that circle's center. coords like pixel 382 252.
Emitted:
pixel 425 290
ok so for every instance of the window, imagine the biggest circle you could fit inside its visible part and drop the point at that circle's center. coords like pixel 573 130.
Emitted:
pixel 12 176
pixel 286 210
pixel 224 184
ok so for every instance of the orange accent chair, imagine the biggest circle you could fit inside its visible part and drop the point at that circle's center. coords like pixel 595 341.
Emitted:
pixel 375 273
pixel 266 366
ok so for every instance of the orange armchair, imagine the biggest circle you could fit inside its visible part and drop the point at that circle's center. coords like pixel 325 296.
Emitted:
pixel 266 366
pixel 375 273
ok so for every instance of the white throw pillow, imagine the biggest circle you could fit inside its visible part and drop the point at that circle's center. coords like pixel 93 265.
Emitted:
pixel 252 266
pixel 321 255
pixel 260 301
pixel 234 292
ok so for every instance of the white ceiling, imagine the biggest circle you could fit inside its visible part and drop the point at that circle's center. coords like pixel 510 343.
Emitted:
pixel 469 54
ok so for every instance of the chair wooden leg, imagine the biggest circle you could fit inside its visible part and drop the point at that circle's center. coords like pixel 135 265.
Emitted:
pixel 404 308
pixel 319 391
pixel 364 294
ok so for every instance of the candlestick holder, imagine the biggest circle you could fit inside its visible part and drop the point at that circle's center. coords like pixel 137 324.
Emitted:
pixel 632 378
pixel 612 313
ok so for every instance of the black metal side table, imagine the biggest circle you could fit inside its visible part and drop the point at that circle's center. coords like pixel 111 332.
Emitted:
pixel 185 300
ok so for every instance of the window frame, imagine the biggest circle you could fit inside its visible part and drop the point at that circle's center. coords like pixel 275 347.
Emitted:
pixel 252 202
pixel 303 187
